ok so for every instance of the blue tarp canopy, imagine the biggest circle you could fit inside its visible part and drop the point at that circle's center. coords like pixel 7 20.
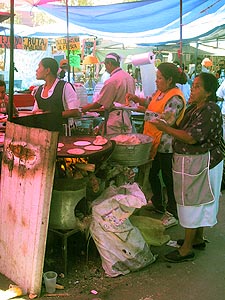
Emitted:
pixel 151 21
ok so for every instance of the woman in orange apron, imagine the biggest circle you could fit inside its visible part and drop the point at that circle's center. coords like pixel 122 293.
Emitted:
pixel 167 103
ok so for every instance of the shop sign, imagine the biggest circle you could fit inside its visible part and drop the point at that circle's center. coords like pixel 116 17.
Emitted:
pixel 5 42
pixel 88 47
pixel 74 44
pixel 32 43
pixel 75 60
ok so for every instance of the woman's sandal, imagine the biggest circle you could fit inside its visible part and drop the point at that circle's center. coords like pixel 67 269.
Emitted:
pixel 175 257
pixel 200 246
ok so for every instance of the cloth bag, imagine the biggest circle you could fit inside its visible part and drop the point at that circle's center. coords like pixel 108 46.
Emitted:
pixel 151 229
pixel 121 245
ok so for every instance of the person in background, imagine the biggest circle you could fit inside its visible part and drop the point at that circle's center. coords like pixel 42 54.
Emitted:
pixel 90 83
pixel 197 165
pixel 196 72
pixel 185 88
pixel 4 100
pixel 63 69
pixel 207 65
pixel 220 93
pixel 193 66
pixel 114 91
pixel 55 96
pixel 168 103
pixel 221 67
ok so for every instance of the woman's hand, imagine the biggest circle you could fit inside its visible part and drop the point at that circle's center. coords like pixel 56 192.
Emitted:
pixel 131 97
pixel 160 124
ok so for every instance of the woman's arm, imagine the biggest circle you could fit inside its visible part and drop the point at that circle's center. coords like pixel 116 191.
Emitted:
pixel 141 101
pixel 179 134
pixel 69 113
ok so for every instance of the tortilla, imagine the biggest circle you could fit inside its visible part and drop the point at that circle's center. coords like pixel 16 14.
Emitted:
pixel 99 141
pixel 76 151
pixel 82 143
pixel 60 145
pixel 93 148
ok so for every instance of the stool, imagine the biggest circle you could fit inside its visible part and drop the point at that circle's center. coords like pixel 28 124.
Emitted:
pixel 64 235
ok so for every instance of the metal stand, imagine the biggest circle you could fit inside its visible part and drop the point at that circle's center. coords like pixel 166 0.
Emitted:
pixel 64 235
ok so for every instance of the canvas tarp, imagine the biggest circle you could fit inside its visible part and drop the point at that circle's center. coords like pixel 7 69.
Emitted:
pixel 151 21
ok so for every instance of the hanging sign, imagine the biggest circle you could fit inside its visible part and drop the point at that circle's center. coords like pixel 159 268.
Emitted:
pixel 75 60
pixel 74 44
pixel 88 47
pixel 32 43
pixel 5 42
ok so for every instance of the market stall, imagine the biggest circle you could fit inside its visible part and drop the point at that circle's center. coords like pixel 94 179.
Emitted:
pixel 27 177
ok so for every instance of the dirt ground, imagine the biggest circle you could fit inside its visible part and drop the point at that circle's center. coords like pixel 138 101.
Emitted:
pixel 203 278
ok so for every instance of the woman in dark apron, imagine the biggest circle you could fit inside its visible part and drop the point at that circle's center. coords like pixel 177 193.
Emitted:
pixel 197 165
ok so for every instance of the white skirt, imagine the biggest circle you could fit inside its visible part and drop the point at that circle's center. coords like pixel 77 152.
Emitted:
pixel 204 215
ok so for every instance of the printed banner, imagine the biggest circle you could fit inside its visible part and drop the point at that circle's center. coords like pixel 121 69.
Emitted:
pixel 32 43
pixel 5 42
pixel 74 44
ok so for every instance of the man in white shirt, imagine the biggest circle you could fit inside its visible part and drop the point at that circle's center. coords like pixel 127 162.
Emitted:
pixel 114 92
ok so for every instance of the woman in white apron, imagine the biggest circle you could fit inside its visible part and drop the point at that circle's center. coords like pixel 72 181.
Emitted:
pixel 197 165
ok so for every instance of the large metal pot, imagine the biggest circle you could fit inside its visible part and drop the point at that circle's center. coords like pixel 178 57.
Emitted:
pixel 133 154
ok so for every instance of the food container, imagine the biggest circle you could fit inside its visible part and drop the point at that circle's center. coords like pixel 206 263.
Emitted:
pixel 132 154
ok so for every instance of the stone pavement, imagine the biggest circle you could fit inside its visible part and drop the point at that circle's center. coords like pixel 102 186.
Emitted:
pixel 201 279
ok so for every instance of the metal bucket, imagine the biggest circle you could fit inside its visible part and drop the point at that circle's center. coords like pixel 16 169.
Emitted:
pixel 65 197
pixel 133 154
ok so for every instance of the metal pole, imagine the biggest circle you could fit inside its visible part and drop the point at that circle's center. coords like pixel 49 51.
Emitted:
pixel 68 39
pixel 181 46
pixel 11 70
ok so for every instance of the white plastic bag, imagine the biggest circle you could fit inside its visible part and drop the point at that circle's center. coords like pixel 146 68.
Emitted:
pixel 120 244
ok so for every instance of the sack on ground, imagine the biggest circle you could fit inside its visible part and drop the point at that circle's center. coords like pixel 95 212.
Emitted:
pixel 151 229
pixel 121 245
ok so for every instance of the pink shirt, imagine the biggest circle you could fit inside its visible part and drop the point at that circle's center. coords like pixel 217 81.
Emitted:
pixel 115 88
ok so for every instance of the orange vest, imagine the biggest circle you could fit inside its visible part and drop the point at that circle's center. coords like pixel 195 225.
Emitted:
pixel 158 107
